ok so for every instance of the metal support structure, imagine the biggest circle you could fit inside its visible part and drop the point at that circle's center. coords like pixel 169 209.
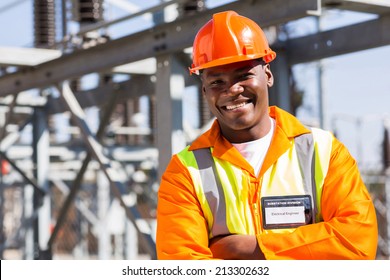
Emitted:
pixel 379 7
pixel 117 187
pixel 165 38
pixel 79 204
pixel 153 9
pixel 28 216
pixel 5 144
pixel 137 86
pixel 28 190
pixel 280 91
pixel 64 19
pixel 387 190
pixel 30 181
pixel 320 85
pixel 77 182
pixel 2 200
pixel 340 41
pixel 7 141
pixel 8 116
pixel 169 91
pixel 103 205
pixel 130 241
pixel 41 203
pixel 386 169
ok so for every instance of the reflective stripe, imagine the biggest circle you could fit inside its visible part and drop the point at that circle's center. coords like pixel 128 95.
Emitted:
pixel 304 145
pixel 323 148
pixel 212 189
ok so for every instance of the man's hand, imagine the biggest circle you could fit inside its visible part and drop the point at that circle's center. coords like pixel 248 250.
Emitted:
pixel 236 247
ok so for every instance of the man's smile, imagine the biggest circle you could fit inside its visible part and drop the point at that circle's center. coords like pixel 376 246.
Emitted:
pixel 236 106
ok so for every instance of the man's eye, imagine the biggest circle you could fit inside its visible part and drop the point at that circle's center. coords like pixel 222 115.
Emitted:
pixel 216 82
pixel 246 75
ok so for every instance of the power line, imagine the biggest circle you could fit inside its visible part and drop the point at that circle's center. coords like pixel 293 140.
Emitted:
pixel 11 5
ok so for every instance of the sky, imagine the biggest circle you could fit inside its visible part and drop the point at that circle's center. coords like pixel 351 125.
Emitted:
pixel 356 92
pixel 356 87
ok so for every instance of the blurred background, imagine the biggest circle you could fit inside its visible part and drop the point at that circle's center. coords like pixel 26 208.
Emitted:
pixel 95 97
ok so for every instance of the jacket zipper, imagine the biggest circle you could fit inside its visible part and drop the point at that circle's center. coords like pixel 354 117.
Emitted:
pixel 255 207
pixel 257 218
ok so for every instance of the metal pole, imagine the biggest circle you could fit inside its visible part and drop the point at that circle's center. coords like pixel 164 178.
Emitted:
pixel 321 93
pixel 64 18
pixel 387 188
pixel 103 202
pixel 28 215
pixel 280 92
pixel 169 89
pixel 386 124
pixel 2 234
pixel 41 202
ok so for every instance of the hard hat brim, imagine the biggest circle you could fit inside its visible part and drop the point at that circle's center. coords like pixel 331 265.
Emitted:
pixel 228 60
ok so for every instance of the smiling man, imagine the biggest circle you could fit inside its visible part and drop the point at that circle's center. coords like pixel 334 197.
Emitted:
pixel 258 184
pixel 237 95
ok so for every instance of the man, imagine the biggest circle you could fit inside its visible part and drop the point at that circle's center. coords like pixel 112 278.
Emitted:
pixel 258 184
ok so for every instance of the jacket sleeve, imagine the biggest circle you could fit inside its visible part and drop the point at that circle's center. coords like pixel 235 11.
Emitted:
pixel 349 229
pixel 181 227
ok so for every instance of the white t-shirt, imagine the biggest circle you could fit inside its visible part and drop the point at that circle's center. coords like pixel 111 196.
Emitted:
pixel 254 151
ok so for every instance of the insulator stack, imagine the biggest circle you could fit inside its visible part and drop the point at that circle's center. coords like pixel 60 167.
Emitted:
pixel 90 11
pixel 386 148
pixel 44 23
pixel 191 7
pixel 152 117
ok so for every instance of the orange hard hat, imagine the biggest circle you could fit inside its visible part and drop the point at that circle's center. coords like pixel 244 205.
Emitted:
pixel 228 38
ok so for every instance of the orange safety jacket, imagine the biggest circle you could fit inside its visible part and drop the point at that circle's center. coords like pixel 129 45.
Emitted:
pixel 345 225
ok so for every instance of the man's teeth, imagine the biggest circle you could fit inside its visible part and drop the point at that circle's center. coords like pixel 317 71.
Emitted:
pixel 232 107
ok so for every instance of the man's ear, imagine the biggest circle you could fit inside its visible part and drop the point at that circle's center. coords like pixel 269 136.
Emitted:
pixel 270 76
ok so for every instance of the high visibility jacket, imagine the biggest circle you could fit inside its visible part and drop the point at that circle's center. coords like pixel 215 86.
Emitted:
pixel 343 227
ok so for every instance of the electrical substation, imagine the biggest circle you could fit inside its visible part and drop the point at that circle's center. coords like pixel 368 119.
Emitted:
pixel 89 119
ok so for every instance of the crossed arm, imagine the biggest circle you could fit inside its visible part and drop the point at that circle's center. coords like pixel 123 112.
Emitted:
pixel 236 247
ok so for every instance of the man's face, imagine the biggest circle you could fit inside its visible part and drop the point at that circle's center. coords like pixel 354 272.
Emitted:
pixel 237 95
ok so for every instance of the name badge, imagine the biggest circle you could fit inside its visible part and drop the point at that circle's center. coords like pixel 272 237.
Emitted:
pixel 286 211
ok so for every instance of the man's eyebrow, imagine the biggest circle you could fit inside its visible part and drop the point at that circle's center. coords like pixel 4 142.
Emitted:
pixel 213 74
pixel 217 74
pixel 244 69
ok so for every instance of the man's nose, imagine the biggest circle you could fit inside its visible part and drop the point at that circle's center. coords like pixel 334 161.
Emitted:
pixel 236 88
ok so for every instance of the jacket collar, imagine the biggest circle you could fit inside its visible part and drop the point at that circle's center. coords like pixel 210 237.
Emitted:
pixel 287 127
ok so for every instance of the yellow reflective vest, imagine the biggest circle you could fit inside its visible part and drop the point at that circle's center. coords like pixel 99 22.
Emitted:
pixel 225 202
pixel 209 189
